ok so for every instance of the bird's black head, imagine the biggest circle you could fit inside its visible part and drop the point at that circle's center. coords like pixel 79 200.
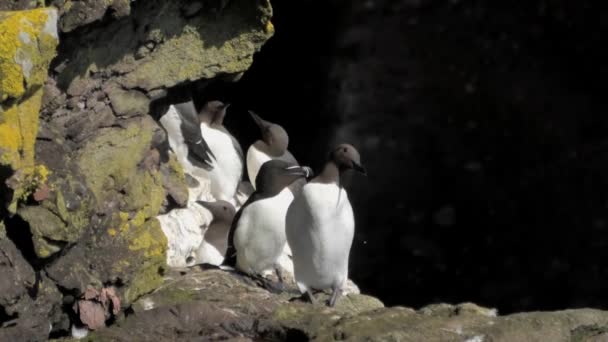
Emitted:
pixel 275 175
pixel 222 211
pixel 272 134
pixel 213 112
pixel 346 157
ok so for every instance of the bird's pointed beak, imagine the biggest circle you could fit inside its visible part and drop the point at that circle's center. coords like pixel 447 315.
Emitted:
pixel 300 171
pixel 359 169
pixel 226 106
pixel 258 120
pixel 309 172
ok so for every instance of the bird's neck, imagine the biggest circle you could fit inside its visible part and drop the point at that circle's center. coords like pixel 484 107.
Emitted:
pixel 330 173
pixel 209 119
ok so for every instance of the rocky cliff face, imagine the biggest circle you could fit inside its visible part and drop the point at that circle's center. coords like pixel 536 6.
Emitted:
pixel 83 176
pixel 84 172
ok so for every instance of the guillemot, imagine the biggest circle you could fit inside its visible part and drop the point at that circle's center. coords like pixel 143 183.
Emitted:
pixel 320 227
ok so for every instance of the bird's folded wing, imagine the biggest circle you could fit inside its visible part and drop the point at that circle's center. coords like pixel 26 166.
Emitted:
pixel 230 256
pixel 199 152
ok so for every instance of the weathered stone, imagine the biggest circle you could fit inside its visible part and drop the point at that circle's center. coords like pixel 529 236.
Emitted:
pixel 106 181
pixel 17 276
pixel 174 181
pixel 447 310
pixel 126 244
pixel 83 85
pixel 31 301
pixel 120 150
pixel 83 12
pixel 128 103
pixel 590 333
pixel 182 50
pixel 221 305
pixel 52 97
pixel 17 5
pixel 402 324
pixel 130 253
pixel 62 216
pixel 49 232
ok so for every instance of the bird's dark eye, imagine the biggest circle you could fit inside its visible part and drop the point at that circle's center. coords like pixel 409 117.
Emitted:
pixel 344 150
pixel 225 208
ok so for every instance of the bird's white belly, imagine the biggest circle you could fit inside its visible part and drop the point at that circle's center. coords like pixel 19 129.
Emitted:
pixel 260 234
pixel 320 234
pixel 207 253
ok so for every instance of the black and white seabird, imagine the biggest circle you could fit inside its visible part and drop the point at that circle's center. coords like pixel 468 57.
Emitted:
pixel 217 157
pixel 228 155
pixel 213 247
pixel 257 236
pixel 185 138
pixel 320 227
pixel 272 146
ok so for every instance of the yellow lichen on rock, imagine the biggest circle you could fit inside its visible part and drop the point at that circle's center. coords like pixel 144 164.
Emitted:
pixel 269 27
pixel 149 238
pixel 27 45
pixel 28 40
pixel 18 128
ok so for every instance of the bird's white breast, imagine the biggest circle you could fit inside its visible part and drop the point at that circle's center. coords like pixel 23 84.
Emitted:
pixel 320 232
pixel 257 155
pixel 260 234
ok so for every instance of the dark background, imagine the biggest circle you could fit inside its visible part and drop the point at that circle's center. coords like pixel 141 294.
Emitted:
pixel 484 128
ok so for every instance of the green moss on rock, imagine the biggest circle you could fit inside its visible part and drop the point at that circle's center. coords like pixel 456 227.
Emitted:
pixel 109 161
pixel 128 102
pixel 145 193
pixel 148 241
pixel 141 255
pixel 46 226
pixel 590 333
pixel 78 13
pixel 174 180
pixel 172 50
pixel 78 215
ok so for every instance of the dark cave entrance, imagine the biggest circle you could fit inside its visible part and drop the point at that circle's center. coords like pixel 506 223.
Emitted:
pixel 491 134
pixel 18 231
